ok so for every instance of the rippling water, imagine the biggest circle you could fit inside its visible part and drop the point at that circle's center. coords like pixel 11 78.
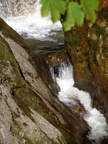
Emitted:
pixel 32 25
pixel 40 33
pixel 37 30
pixel 68 93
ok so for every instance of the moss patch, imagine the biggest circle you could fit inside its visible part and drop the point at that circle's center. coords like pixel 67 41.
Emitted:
pixel 69 139
pixel 99 30
pixel 5 57
pixel 104 13
pixel 95 45
pixel 29 141
pixel 73 38
pixel 21 93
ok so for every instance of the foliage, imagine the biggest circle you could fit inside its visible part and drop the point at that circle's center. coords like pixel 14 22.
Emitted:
pixel 56 7
pixel 89 8
pixel 74 15
pixel 70 12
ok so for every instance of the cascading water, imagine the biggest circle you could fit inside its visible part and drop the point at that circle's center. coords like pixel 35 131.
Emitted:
pixel 69 95
pixel 25 17
pixel 16 7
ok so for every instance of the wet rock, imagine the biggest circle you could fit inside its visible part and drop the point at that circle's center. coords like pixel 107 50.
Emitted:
pixel 88 49
pixel 48 46
pixel 56 59
pixel 22 91
pixel 14 122
pixel 19 122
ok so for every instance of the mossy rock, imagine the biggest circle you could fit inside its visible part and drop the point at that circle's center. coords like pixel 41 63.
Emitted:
pixel 20 91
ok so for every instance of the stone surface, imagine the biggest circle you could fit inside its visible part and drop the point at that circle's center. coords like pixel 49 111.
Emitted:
pixel 51 45
pixel 25 92
pixel 88 48
pixel 15 122
pixel 19 123
pixel 56 59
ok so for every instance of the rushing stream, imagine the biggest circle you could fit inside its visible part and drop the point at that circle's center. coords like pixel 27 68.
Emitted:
pixel 34 26
pixel 30 24
pixel 68 95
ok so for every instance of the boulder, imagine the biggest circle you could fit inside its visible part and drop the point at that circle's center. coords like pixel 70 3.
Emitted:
pixel 56 59
pixel 23 94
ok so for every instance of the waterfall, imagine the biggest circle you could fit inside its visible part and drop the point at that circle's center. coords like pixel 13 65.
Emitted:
pixel 69 95
pixel 24 16
pixel 16 7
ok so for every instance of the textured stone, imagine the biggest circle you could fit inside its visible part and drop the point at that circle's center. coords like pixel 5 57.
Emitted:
pixel 90 58
pixel 27 86
pixel 56 59
pixel 12 119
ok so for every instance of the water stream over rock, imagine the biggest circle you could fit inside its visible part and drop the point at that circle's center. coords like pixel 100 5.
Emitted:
pixel 40 33
pixel 29 24
pixel 45 37
pixel 79 102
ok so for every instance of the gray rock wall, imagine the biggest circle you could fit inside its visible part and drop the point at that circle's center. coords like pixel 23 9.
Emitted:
pixel 19 122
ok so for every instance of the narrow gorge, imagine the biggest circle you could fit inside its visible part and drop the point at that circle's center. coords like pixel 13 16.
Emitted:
pixel 53 84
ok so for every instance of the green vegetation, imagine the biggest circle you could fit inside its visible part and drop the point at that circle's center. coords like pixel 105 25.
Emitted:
pixel 95 45
pixel 99 30
pixel 70 12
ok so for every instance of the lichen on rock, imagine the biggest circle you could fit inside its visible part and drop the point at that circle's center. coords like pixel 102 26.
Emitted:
pixel 19 122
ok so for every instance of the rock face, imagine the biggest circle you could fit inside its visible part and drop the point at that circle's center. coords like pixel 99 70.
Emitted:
pixel 88 48
pixel 56 59
pixel 23 93
pixel 19 122
pixel 15 124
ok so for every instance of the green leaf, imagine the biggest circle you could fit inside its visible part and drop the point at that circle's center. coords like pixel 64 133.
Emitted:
pixel 45 8
pixel 55 7
pixel 89 8
pixel 74 16
pixel 67 25
pixel 55 15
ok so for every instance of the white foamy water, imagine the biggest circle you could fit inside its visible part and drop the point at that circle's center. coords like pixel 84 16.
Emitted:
pixel 33 25
pixel 67 94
